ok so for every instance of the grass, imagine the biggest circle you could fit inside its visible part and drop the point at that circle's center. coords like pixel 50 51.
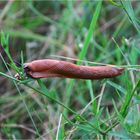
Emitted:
pixel 93 33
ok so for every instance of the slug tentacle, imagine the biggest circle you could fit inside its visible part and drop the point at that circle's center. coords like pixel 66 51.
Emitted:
pixel 54 68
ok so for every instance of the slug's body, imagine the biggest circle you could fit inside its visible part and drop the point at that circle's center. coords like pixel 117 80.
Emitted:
pixel 54 68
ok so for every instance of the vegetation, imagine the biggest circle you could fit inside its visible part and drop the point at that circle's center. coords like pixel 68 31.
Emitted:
pixel 91 32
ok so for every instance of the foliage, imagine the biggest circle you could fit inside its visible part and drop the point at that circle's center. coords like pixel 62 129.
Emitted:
pixel 106 32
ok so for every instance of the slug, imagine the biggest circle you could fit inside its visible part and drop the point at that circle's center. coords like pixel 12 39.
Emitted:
pixel 46 68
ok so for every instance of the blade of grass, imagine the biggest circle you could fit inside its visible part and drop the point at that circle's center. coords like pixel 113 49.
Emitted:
pixel 28 34
pixel 14 81
pixel 80 126
pixel 5 46
pixel 90 31
pixel 67 108
pixel 117 86
pixel 124 109
pixel 85 47
pixel 128 98
pixel 94 103
pixel 45 18
pixel 115 3
pixel 6 9
pixel 127 6
pixel 59 129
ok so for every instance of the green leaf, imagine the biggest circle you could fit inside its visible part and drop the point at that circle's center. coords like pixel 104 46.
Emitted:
pixel 120 134
pixel 115 3
pixel 90 31
pixel 79 126
pixel 127 6
pixel 117 86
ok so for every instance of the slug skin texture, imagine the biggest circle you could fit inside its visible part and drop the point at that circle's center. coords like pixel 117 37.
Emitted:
pixel 46 68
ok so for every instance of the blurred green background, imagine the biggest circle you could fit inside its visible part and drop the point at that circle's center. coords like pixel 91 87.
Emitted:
pixel 50 29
